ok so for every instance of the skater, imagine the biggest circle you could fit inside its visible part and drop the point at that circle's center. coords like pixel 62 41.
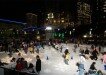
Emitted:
pixel 25 48
pixel 10 49
pixel 82 59
pixel 38 64
pixel 81 51
pixel 61 48
pixel 99 72
pixel 66 58
pixel 92 47
pixel 37 48
pixel 92 69
pixel 72 55
pixel 31 68
pixel 104 57
pixel 80 68
pixel 104 60
pixel 99 49
pixel 47 58
pixel 94 54
pixel 75 47
pixel 87 53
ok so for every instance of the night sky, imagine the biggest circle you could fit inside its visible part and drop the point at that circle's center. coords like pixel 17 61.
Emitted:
pixel 16 9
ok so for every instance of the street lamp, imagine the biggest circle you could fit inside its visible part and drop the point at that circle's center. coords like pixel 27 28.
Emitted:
pixel 48 28
pixel 85 36
pixel 73 29
pixel 49 32
pixel 70 32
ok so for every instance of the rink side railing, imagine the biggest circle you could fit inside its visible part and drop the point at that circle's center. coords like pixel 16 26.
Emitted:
pixel 6 71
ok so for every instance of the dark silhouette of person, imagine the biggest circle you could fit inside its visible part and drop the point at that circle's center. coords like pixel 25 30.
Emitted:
pixel 38 64
pixel 31 68
pixel 19 65
pixel 94 54
pixel 86 51
pixel 92 67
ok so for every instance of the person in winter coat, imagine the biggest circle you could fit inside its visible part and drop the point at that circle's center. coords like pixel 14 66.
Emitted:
pixel 31 68
pixel 38 64
pixel 94 54
pixel 104 58
pixel 19 65
pixel 80 68
pixel 92 67
pixel 67 58
pixel 99 72
pixel 81 51
pixel 82 59
pixel 67 55
pixel 92 47
pixel 87 53
pixel 75 47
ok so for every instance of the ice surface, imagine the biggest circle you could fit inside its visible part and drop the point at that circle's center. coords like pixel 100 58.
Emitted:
pixel 55 64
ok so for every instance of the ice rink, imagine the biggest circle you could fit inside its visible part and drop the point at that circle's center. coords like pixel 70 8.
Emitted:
pixel 55 64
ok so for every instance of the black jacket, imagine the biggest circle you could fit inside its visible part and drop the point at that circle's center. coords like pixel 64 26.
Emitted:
pixel 38 65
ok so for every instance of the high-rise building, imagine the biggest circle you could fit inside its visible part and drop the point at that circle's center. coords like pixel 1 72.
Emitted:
pixel 104 6
pixel 98 11
pixel 58 19
pixel 104 11
pixel 84 13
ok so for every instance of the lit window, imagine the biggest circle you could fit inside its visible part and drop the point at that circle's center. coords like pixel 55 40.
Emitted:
pixel 62 21
pixel 54 21
pixel 50 15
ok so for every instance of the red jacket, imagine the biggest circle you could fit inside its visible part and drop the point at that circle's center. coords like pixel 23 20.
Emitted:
pixel 19 66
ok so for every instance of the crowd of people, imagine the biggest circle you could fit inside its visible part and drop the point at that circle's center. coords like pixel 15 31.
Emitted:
pixel 15 46
pixel 86 54
pixel 33 46
pixel 21 65
pixel 91 53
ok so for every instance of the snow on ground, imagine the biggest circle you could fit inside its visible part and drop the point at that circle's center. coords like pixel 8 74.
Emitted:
pixel 55 64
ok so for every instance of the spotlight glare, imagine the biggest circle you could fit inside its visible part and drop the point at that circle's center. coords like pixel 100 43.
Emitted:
pixel 48 28
pixel 85 36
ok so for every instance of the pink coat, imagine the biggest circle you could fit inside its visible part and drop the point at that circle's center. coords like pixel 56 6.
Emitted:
pixel 104 58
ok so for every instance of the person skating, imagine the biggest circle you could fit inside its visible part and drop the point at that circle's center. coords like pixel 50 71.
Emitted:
pixel 94 54
pixel 80 68
pixel 38 64
pixel 66 58
pixel 75 47
pixel 31 68
pixel 92 69
pixel 87 53
pixel 104 60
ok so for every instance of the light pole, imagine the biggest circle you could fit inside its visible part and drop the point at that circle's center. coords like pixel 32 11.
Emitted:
pixel 48 31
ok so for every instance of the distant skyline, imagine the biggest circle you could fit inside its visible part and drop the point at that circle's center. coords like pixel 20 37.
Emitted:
pixel 17 9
